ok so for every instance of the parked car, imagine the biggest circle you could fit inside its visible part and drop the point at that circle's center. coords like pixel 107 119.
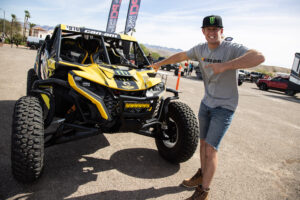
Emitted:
pixel 247 74
pixel 183 72
pixel 241 77
pixel 277 83
pixel 169 67
pixel 198 72
pixel 254 76
pixel 34 42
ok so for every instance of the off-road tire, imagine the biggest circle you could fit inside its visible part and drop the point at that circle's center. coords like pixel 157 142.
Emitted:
pixel 31 77
pixel 27 141
pixel 187 132
pixel 263 86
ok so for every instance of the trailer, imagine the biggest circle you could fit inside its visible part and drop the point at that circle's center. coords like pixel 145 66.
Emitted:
pixel 294 80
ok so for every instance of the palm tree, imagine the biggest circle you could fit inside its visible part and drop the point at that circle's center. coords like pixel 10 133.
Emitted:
pixel 13 19
pixel 27 16
pixel 31 25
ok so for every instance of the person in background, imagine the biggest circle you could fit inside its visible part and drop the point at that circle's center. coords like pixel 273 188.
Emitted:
pixel 150 59
pixel 191 67
pixel 186 65
pixel 220 61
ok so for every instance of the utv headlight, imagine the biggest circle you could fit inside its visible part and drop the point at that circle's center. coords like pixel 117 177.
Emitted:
pixel 155 90
pixel 82 82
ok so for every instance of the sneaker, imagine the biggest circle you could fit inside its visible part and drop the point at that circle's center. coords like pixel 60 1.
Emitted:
pixel 199 194
pixel 194 181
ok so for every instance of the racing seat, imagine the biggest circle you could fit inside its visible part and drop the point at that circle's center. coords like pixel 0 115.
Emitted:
pixel 92 50
pixel 113 56
pixel 70 51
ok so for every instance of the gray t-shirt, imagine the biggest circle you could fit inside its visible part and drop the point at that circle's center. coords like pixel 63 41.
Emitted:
pixel 220 89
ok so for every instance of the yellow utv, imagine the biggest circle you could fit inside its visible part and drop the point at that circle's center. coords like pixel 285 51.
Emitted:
pixel 87 82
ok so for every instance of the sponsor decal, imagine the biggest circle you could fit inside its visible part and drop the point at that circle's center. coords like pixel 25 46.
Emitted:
pixel 124 80
pixel 127 85
pixel 211 60
pixel 122 72
pixel 94 32
pixel 212 20
pixel 72 28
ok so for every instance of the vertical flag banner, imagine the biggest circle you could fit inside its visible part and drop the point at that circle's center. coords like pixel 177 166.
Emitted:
pixel 133 10
pixel 113 16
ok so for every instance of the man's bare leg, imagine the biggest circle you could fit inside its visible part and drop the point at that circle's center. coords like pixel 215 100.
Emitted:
pixel 211 161
pixel 202 155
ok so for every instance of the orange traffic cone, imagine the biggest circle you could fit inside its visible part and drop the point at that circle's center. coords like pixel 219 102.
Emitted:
pixel 178 78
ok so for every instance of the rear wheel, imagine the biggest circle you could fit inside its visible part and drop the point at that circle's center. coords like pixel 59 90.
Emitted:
pixel 240 83
pixel 27 141
pixel 183 130
pixel 176 72
pixel 290 92
pixel 33 47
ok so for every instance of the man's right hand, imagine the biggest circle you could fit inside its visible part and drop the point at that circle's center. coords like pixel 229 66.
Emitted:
pixel 155 66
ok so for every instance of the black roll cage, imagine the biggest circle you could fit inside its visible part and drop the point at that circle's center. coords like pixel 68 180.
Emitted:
pixel 56 38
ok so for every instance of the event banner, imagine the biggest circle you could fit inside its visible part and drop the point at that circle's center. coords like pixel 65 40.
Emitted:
pixel 113 16
pixel 133 10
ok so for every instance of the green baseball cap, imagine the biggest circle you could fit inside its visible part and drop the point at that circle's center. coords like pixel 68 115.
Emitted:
pixel 212 20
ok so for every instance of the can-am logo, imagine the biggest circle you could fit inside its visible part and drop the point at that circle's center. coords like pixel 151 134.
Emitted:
pixel 101 33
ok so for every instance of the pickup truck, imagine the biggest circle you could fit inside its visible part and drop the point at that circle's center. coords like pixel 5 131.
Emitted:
pixel 277 83
pixel 254 76
pixel 34 42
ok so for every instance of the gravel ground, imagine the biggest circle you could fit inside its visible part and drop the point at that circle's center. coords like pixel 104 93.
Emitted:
pixel 259 157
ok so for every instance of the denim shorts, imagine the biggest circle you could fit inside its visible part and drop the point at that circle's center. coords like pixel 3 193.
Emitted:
pixel 214 123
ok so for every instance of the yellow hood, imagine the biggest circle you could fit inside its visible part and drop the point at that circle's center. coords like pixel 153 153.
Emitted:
pixel 118 78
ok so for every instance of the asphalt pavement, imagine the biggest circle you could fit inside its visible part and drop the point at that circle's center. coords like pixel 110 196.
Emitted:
pixel 259 157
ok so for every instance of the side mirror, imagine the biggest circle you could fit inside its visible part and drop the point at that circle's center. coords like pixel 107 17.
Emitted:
pixel 47 37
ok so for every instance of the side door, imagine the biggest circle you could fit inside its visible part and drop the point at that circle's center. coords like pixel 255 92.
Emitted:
pixel 280 84
pixel 273 82
pixel 48 55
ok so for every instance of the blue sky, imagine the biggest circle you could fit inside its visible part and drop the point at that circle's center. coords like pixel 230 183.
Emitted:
pixel 270 26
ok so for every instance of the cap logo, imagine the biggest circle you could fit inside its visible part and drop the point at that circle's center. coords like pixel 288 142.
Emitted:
pixel 212 20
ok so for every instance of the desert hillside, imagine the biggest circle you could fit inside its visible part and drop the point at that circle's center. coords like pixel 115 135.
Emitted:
pixel 272 69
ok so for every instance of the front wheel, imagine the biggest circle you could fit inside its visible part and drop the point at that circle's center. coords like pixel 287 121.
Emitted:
pixel 183 131
pixel 290 92
pixel 27 141
pixel 263 86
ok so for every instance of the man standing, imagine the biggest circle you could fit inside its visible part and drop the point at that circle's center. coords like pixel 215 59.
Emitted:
pixel 150 59
pixel 186 65
pixel 221 61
